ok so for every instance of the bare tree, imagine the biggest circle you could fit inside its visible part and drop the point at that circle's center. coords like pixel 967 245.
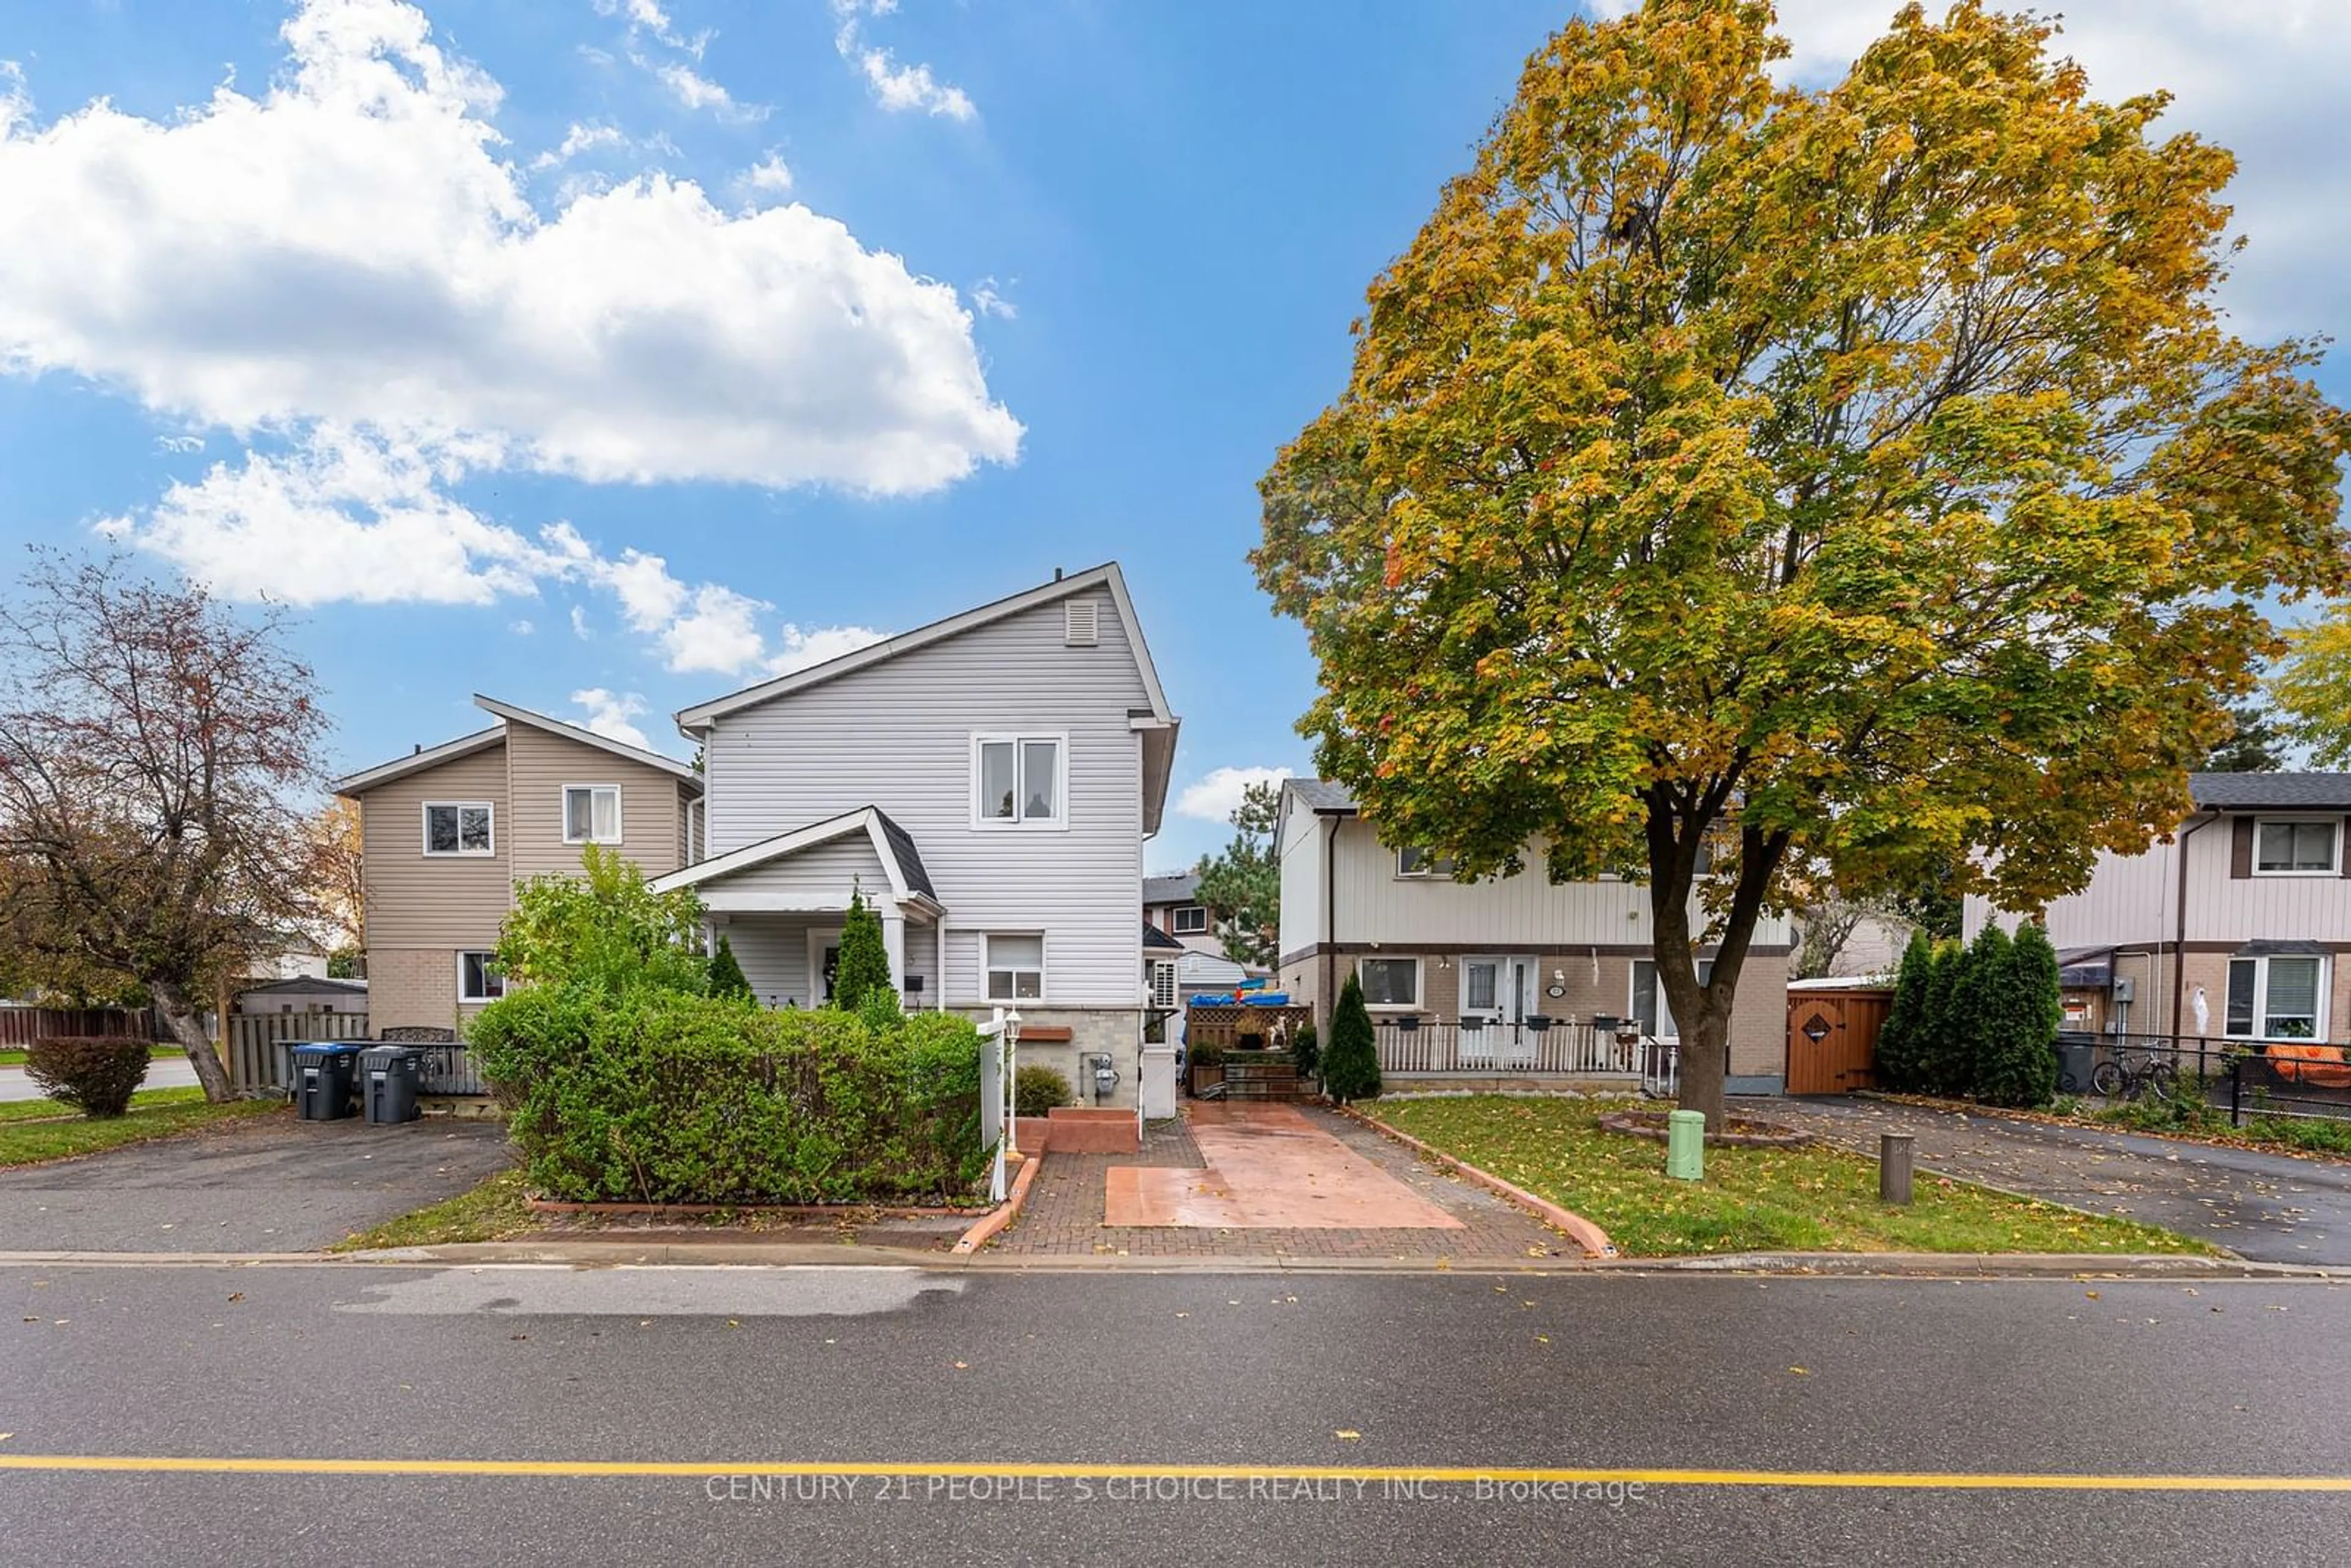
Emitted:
pixel 152 747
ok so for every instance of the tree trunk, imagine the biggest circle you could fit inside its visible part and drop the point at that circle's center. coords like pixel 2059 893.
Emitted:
pixel 1704 1064
pixel 181 1019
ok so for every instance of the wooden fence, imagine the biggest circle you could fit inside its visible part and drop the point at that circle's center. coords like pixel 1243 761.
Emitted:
pixel 21 1027
pixel 1224 1024
pixel 254 1043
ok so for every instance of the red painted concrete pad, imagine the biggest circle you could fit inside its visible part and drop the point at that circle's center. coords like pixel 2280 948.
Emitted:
pixel 1268 1168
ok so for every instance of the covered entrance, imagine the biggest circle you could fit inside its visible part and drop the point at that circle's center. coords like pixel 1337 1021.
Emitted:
pixel 1498 994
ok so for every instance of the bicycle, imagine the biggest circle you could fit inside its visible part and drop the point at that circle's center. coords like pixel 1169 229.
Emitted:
pixel 2133 1070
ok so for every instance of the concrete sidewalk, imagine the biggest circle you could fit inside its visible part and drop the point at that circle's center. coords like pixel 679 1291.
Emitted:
pixel 2276 1208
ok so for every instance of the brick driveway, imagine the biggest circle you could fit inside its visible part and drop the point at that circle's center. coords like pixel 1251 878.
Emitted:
pixel 1063 1215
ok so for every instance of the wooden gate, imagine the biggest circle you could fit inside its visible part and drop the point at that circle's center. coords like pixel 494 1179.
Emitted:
pixel 1833 1040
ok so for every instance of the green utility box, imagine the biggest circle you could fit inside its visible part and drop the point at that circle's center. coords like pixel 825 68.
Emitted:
pixel 1685 1144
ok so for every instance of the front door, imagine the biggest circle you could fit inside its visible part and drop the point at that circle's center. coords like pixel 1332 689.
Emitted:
pixel 1497 993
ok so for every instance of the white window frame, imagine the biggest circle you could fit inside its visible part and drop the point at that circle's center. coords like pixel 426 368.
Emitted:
pixel 425 830
pixel 988 966
pixel 484 953
pixel 2260 1023
pixel 1633 992
pixel 1419 982
pixel 1428 869
pixel 563 805
pixel 1021 740
pixel 2333 826
pixel 1175 920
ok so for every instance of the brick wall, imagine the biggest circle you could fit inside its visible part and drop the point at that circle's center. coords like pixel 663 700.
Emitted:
pixel 412 985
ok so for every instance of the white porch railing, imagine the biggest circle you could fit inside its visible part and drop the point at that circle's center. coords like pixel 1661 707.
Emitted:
pixel 1562 1048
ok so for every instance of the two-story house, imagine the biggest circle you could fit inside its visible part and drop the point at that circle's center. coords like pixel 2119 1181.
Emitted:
pixel 447 832
pixel 1499 974
pixel 1171 904
pixel 986 783
pixel 2235 926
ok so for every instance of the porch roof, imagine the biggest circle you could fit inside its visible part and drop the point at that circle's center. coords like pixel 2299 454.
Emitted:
pixel 901 862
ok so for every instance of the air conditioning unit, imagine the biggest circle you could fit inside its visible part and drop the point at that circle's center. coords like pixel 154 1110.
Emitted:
pixel 2122 988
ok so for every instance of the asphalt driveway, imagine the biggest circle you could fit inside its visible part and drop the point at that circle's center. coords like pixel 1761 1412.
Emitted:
pixel 268 1184
pixel 2273 1208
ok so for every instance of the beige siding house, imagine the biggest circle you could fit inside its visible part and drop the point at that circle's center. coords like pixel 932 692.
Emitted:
pixel 2236 926
pixel 447 832
pixel 1471 963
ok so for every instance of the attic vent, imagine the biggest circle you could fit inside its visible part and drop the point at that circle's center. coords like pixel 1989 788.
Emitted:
pixel 1081 624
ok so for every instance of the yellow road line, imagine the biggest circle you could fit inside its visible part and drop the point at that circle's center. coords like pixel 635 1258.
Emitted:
pixel 1369 1475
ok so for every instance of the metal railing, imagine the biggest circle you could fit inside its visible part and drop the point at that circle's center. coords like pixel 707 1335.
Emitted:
pixel 2249 1078
pixel 1469 1047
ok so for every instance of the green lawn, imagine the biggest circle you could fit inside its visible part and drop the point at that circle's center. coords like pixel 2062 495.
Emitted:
pixel 42 1130
pixel 1812 1199
pixel 492 1211
pixel 13 1056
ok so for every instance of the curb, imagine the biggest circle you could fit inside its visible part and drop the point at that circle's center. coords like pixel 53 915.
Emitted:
pixel 984 1229
pixel 697 1210
pixel 1582 1231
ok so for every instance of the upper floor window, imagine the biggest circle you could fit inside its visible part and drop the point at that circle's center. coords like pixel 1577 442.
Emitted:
pixel 457 828
pixel 2295 848
pixel 1017 780
pixel 1191 920
pixel 592 814
pixel 1413 860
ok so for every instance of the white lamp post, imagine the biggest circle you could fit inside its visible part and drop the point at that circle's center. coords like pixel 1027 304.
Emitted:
pixel 1011 1071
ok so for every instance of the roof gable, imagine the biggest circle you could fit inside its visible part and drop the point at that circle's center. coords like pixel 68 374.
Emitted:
pixel 699 717
pixel 420 759
pixel 901 861
pixel 681 771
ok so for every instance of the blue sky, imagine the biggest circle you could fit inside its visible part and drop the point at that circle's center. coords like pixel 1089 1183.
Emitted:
pixel 506 342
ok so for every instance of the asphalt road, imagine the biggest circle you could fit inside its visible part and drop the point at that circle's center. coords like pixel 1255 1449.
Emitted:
pixel 264 1184
pixel 1842 1379
pixel 162 1073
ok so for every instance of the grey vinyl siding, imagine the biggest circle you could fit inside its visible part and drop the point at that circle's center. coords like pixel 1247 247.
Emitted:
pixel 817 874
pixel 773 949
pixel 415 900
pixel 539 764
pixel 897 734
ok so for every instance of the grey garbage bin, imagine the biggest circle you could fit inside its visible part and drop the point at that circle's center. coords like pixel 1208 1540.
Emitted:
pixel 322 1079
pixel 2076 1054
pixel 390 1076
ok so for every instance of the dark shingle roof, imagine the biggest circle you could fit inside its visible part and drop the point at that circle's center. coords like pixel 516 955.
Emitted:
pixel 910 860
pixel 2271 791
pixel 1322 794
pixel 1156 940
pixel 1176 889
pixel 309 984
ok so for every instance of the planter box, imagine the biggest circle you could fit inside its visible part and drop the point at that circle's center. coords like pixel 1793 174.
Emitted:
pixel 1091 1130
pixel 1203 1073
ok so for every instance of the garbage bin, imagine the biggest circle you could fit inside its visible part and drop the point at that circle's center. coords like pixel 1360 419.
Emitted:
pixel 2075 1053
pixel 322 1079
pixel 390 1076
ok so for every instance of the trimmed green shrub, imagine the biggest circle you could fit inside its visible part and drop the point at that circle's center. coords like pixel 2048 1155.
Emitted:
pixel 1305 1051
pixel 1901 1039
pixel 1351 1068
pixel 1942 1062
pixel 642 1094
pixel 1037 1090
pixel 1207 1053
pixel 96 1074
pixel 726 977
pixel 864 957
pixel 2016 1044
pixel 1980 1005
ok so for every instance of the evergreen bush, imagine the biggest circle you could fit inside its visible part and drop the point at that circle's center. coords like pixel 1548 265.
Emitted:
pixel 1940 1065
pixel 1351 1068
pixel 2016 1051
pixel 1036 1090
pixel 1983 1002
pixel 1901 1038
pixel 726 977
pixel 864 957
pixel 1305 1051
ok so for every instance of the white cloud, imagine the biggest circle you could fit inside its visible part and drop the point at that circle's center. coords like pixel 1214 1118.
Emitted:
pixel 895 88
pixel 988 301
pixel 1215 797
pixel 578 139
pixel 521 628
pixel 697 92
pixel 179 443
pixel 350 248
pixel 770 174
pixel 608 713
pixel 579 627
pixel 2265 81
pixel 801 647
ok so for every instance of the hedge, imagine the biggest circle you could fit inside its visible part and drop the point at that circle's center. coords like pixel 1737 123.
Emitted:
pixel 653 1095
